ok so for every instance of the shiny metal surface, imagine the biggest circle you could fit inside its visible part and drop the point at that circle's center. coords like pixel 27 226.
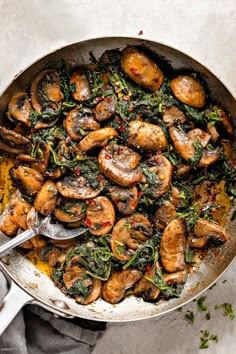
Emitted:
pixel 37 284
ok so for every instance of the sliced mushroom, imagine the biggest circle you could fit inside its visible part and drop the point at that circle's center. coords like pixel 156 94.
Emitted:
pixel 128 234
pixel 176 278
pixel 141 69
pixel 105 109
pixel 79 122
pixel 146 136
pixel 101 216
pixel 46 91
pixel 172 246
pixel 111 57
pixel 80 277
pixel 163 172
pixel 120 164
pixel 97 138
pixel 228 151
pixel 146 289
pixel 172 115
pixel 188 90
pixel 207 232
pixel 70 210
pixel 184 146
pixel 19 108
pixel 125 199
pixel 114 289
pixel 81 90
pixel 213 132
pixel 199 135
pixel 164 215
pixel 42 156
pixel 226 122
pixel 78 188
pixel 14 142
pixel 27 179
pixel 46 198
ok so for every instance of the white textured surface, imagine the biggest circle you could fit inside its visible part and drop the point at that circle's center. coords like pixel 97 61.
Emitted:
pixel 204 29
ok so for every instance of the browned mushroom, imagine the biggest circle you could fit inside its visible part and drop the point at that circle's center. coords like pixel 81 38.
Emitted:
pixel 226 122
pixel 141 69
pixel 13 142
pixel 70 210
pixel 114 289
pixel 128 234
pixel 97 138
pixel 188 90
pixel 100 216
pixel 42 156
pixel 207 232
pixel 120 164
pixel 45 201
pixel 199 135
pixel 79 122
pixel 105 109
pixel 81 90
pixel 78 188
pixel 125 199
pixel 172 115
pixel 146 136
pixel 145 288
pixel 27 179
pixel 19 108
pixel 80 276
pixel 164 215
pixel 176 278
pixel 184 146
pixel 46 90
pixel 172 246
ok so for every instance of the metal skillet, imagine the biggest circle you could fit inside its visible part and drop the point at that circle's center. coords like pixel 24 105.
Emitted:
pixel 28 285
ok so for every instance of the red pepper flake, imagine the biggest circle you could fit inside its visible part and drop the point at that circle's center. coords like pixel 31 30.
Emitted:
pixel 126 98
pixel 121 128
pixel 132 204
pixel 140 33
pixel 105 223
pixel 102 145
pixel 216 254
pixel 30 136
pixel 87 222
pixel 92 202
pixel 158 152
pixel 100 178
pixel 131 109
pixel 77 171
pixel 140 194
pixel 133 71
pixel 100 99
pixel 148 270
pixel 68 139
pixel 32 130
pixel 107 156
pixel 40 133
pixel 132 223
pixel 158 161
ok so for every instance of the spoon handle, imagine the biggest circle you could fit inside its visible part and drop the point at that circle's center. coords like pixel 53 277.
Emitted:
pixel 26 235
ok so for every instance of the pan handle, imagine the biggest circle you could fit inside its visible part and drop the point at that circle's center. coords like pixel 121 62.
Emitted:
pixel 13 302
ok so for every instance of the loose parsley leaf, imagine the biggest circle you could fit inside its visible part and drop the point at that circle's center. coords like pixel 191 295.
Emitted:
pixel 189 316
pixel 200 303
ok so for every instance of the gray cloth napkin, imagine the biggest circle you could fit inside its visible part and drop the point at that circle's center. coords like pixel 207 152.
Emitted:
pixel 36 331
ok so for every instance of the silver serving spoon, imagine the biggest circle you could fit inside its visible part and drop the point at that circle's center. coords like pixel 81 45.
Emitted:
pixel 42 227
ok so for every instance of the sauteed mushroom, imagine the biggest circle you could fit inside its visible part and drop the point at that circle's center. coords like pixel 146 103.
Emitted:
pixel 46 91
pixel 105 109
pixel 120 163
pixel 78 188
pixel 176 278
pixel 172 247
pixel 125 199
pixel 188 90
pixel 114 289
pixel 141 69
pixel 172 115
pixel 164 215
pixel 146 289
pixel 19 108
pixel 128 234
pixel 100 216
pixel 79 122
pixel 207 231
pixel 146 136
pixel 14 142
pixel 27 179
pixel 45 201
pixel 81 90
pixel 97 138
pixel 70 210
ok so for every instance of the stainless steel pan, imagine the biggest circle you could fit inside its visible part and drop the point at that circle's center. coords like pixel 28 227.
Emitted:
pixel 29 285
